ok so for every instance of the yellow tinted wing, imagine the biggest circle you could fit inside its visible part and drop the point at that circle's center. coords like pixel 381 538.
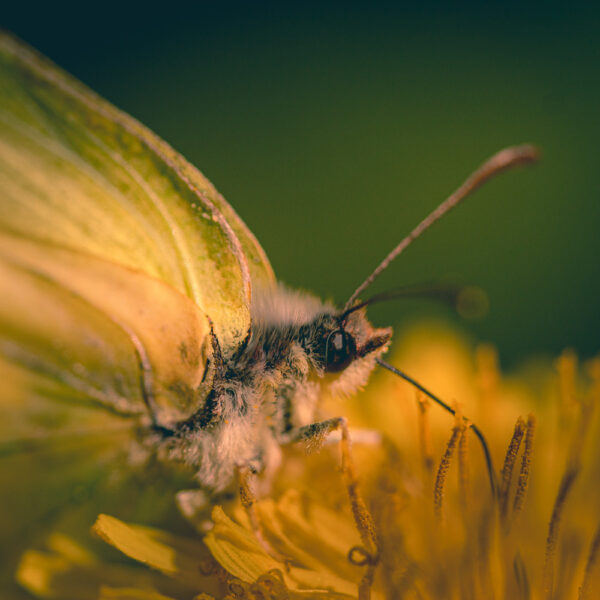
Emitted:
pixel 78 173
pixel 116 256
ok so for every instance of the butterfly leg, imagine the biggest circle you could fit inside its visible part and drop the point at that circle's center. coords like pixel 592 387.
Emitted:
pixel 314 435
pixel 366 437
pixel 248 499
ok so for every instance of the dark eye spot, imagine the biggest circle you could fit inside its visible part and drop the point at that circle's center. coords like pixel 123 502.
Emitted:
pixel 340 351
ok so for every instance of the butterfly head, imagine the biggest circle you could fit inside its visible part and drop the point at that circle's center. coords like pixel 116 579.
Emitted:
pixel 338 341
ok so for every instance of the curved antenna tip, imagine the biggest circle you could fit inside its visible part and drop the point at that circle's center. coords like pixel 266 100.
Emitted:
pixel 503 160
pixel 516 155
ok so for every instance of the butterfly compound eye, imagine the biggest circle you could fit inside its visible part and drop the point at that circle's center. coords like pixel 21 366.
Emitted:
pixel 340 351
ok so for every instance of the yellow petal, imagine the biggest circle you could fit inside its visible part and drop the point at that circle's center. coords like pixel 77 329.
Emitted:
pixel 108 593
pixel 238 552
pixel 236 549
pixel 176 557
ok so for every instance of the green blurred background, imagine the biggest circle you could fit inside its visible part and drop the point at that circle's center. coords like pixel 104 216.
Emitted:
pixel 333 128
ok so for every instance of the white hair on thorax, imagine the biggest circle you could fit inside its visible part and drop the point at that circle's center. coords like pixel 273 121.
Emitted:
pixel 282 306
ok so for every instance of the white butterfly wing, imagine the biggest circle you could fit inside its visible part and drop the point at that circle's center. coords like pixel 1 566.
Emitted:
pixel 117 257
pixel 97 205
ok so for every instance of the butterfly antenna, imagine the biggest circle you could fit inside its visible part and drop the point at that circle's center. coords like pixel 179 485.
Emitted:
pixel 441 292
pixel 475 429
pixel 501 161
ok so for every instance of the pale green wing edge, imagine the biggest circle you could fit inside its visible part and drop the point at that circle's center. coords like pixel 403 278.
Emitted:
pixel 144 206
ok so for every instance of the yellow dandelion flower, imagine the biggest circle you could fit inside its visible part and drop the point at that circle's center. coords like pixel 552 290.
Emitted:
pixel 538 537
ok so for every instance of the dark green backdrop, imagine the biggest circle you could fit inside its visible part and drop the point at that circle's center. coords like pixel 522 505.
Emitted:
pixel 333 128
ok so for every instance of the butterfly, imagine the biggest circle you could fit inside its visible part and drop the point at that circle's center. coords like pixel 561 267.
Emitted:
pixel 140 320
